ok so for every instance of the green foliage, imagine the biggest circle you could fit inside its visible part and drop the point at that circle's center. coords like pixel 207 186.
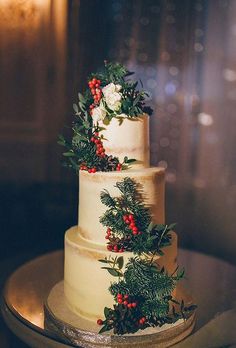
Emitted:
pixel 133 100
pixel 79 149
pixel 113 265
pixel 151 289
pixel 153 237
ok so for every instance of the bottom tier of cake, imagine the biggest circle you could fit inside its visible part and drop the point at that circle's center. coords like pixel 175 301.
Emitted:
pixel 86 283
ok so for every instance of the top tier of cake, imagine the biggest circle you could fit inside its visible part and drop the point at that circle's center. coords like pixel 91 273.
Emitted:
pixel 128 137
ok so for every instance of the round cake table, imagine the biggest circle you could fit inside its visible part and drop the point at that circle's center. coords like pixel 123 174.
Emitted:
pixel 212 283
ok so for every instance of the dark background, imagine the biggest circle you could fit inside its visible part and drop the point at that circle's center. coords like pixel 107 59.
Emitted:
pixel 185 53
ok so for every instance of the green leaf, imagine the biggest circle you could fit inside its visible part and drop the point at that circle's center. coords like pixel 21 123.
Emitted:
pixel 81 98
pixel 104 329
pixel 103 261
pixel 106 311
pixel 120 262
pixel 112 271
pixel 172 226
pixel 76 109
pixel 136 100
pixel 82 106
pixel 69 154
pixel 129 160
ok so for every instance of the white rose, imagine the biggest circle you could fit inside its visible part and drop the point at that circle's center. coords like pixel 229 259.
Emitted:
pixel 110 89
pixel 113 101
pixel 99 113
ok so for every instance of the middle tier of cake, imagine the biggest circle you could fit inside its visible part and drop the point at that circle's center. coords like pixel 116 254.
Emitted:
pixel 151 183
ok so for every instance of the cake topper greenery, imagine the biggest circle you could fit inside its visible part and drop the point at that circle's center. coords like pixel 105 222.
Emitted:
pixel 143 294
pixel 129 222
pixel 110 93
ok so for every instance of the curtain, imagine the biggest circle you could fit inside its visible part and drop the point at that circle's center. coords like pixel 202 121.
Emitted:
pixel 184 52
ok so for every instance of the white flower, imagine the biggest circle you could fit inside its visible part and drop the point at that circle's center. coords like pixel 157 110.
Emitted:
pixel 112 97
pixel 99 113
pixel 113 101
pixel 110 89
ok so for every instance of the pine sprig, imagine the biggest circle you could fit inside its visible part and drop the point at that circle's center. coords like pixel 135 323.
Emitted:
pixel 143 297
pixel 139 235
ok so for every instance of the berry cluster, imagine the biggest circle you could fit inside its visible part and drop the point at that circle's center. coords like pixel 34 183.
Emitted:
pixel 116 247
pixel 89 170
pixel 126 302
pixel 99 145
pixel 129 220
pixel 124 299
pixel 96 91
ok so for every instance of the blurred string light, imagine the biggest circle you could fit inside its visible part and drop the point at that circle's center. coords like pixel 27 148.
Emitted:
pixel 170 88
pixel 229 75
pixel 205 119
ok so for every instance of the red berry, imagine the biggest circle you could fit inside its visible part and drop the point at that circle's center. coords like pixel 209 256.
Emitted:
pixel 119 295
pixel 121 250
pixel 94 80
pixel 116 248
pixel 135 229
pixel 96 134
pixel 99 322
pixel 135 232
pixel 131 217
pixel 127 221
pixel 99 82
pixel 97 153
pixel 125 303
pixel 129 305
pixel 108 231
pixel 92 139
pixel 126 297
pixel 125 217
pixel 119 300
pixel 132 225
pixel 134 304
pixel 94 170
pixel 90 170
pixel 109 247
pixel 107 237
pixel 142 320
pixel 93 91
pixel 96 141
pixel 118 168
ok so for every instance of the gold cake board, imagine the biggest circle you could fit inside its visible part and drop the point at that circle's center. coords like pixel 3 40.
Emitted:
pixel 80 332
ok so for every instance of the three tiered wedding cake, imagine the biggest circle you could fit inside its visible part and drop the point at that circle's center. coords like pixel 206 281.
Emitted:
pixel 121 260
